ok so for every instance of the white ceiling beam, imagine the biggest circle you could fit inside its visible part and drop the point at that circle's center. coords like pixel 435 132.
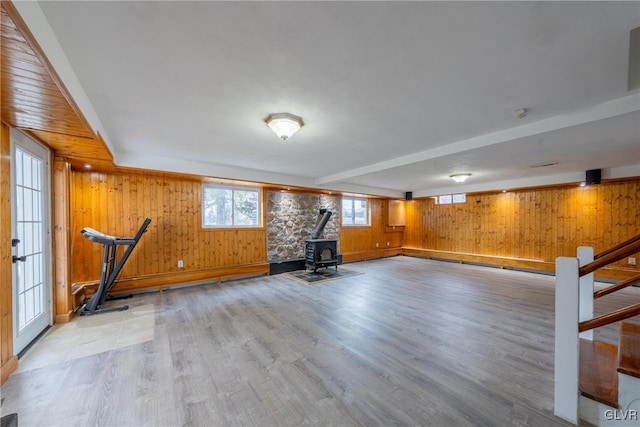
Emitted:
pixel 207 169
pixel 616 107
pixel 508 185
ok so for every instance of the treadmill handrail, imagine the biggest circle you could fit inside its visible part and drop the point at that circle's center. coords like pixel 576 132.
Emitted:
pixel 107 239
pixel 96 236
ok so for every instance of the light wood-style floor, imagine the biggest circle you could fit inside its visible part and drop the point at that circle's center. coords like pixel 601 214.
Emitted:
pixel 409 342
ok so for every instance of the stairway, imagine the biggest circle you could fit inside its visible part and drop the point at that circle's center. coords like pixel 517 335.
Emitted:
pixel 609 380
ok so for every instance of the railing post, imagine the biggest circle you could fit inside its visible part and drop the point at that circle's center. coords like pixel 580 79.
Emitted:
pixel 567 343
pixel 585 256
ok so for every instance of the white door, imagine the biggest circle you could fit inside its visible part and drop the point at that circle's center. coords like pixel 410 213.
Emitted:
pixel 30 239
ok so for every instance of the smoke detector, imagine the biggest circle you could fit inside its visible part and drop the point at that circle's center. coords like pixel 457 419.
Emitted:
pixel 520 113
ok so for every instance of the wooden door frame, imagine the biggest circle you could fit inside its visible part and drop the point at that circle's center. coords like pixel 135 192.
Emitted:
pixel 8 360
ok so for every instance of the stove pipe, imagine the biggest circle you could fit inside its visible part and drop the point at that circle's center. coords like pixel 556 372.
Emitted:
pixel 315 234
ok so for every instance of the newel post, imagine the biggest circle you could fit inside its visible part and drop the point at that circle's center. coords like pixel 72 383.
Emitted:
pixel 567 343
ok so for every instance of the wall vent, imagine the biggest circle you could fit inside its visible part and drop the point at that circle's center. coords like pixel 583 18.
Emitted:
pixel 543 165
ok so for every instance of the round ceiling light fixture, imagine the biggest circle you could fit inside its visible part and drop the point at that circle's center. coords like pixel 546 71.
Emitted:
pixel 284 124
pixel 460 177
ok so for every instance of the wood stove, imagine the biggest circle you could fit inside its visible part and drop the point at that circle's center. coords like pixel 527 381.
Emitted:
pixel 320 253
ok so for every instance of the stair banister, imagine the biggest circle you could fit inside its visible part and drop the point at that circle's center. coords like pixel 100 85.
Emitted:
pixel 606 319
pixel 585 302
pixel 611 257
pixel 634 280
pixel 618 246
pixel 574 317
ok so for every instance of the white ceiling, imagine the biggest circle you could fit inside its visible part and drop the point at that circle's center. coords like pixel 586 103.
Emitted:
pixel 395 96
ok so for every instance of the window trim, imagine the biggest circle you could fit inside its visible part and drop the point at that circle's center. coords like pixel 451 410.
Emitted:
pixel 451 199
pixel 233 188
pixel 353 199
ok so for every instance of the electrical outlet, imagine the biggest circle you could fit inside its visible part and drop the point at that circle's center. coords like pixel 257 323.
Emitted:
pixel 180 263
pixel 387 243
pixel 377 245
pixel 632 261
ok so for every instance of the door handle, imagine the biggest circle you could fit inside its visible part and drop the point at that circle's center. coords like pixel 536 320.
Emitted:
pixel 22 258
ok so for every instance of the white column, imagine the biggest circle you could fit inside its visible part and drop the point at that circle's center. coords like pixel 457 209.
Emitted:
pixel 567 343
pixel 585 256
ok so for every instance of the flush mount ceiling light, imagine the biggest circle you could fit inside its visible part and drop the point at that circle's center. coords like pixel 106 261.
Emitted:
pixel 460 177
pixel 520 113
pixel 284 124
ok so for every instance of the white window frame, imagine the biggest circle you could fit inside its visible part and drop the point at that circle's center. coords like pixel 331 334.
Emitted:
pixel 448 199
pixel 233 189
pixel 353 217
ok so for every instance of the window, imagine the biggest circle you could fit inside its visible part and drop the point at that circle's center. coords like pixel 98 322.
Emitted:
pixel 447 199
pixel 224 206
pixel 459 198
pixel 444 200
pixel 355 211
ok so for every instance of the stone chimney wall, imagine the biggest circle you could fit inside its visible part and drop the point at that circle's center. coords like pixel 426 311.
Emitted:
pixel 291 218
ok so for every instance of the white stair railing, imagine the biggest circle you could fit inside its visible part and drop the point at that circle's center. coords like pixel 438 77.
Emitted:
pixel 574 304
pixel 567 342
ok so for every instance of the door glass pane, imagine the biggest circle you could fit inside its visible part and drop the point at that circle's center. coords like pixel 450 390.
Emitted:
pixel 35 212
pixel 38 299
pixel 27 238
pixel 35 167
pixel 19 203
pixel 28 306
pixel 18 167
pixel 29 229
pixel 21 313
pixel 38 276
pixel 28 205
pixel 26 172
pixel 28 273
pixel 20 273
pixel 37 237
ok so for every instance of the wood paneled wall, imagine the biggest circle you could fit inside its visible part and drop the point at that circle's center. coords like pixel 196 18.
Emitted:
pixel 62 299
pixel 358 242
pixel 8 362
pixel 117 204
pixel 538 224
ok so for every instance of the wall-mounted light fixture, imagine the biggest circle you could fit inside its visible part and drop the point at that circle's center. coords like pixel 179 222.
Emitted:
pixel 460 177
pixel 284 124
